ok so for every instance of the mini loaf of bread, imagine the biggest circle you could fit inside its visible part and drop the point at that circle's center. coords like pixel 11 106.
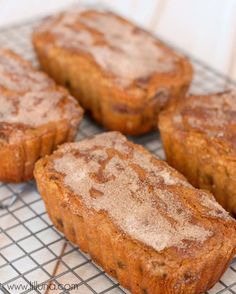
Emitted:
pixel 120 73
pixel 35 116
pixel 199 136
pixel 137 217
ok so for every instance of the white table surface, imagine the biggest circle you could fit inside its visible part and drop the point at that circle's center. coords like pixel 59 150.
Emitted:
pixel 204 28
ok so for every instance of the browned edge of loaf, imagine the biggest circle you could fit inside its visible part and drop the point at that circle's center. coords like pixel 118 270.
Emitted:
pixel 135 265
pixel 18 159
pixel 206 162
pixel 131 111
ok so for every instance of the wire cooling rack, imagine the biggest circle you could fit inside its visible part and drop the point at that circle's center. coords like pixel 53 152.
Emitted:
pixel 34 256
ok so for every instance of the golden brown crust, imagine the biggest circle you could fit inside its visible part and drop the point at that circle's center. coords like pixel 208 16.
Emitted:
pixel 123 88
pixel 199 137
pixel 178 266
pixel 35 116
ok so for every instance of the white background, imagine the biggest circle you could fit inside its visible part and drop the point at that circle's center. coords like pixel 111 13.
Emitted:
pixel 204 28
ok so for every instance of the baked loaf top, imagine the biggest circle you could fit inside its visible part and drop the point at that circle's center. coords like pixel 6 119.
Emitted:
pixel 17 74
pixel 30 99
pixel 125 52
pixel 22 112
pixel 213 116
pixel 145 198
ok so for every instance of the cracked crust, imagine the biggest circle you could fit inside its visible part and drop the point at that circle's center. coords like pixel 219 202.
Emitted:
pixel 199 137
pixel 35 116
pixel 98 56
pixel 147 250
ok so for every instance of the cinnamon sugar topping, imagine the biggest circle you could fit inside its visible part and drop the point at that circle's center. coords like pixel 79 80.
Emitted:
pixel 212 114
pixel 112 42
pixel 133 187
pixel 29 98
pixel 18 75
pixel 35 108
pixel 214 208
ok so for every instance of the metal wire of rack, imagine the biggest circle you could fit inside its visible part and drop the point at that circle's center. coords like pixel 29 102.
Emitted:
pixel 34 256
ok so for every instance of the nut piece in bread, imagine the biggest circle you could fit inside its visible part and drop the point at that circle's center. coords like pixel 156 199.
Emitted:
pixel 199 137
pixel 137 217
pixel 120 73
pixel 35 116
